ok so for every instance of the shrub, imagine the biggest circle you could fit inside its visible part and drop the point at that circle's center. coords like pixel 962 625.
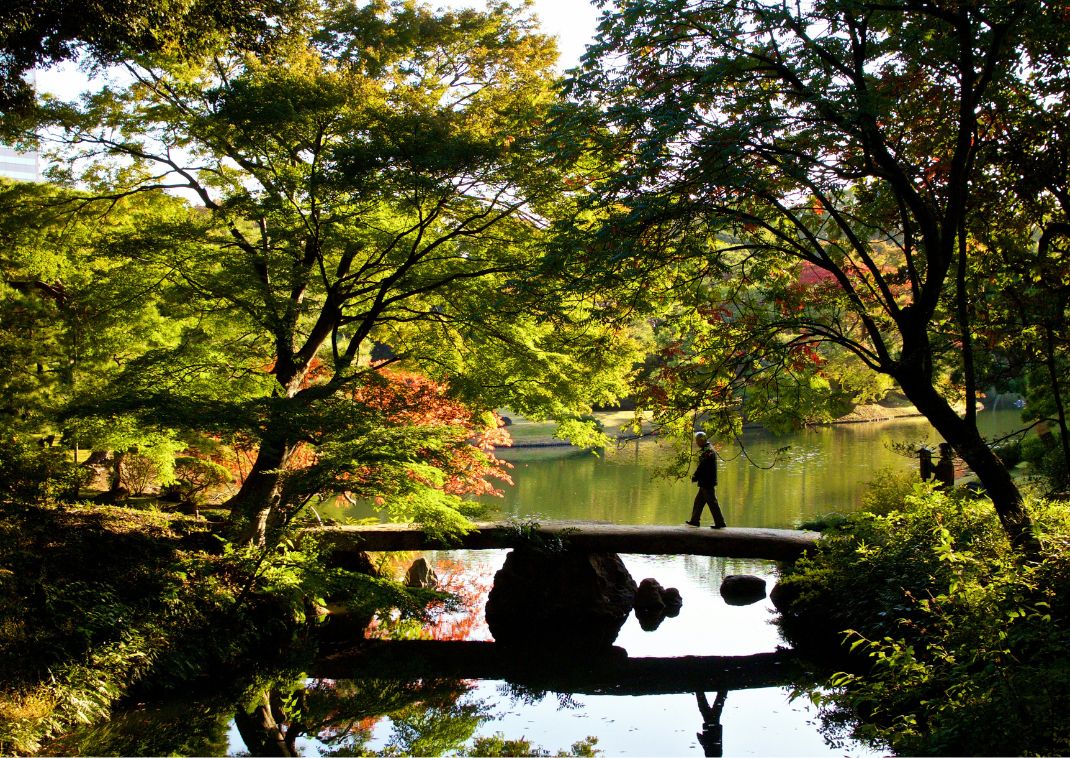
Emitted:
pixel 138 472
pixel 888 491
pixel 31 472
pixel 965 644
pixel 1047 461
pixel 146 465
pixel 194 477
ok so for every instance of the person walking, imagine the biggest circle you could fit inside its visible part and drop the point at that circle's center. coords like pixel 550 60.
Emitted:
pixel 705 477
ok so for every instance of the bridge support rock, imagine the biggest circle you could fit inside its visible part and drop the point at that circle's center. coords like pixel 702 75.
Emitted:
pixel 566 600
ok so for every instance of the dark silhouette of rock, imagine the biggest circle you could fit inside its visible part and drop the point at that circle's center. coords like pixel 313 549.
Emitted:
pixel 742 589
pixel 783 597
pixel 653 603
pixel 649 596
pixel 566 600
pixel 673 601
pixel 356 561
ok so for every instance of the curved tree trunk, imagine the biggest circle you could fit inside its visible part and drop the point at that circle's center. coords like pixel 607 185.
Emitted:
pixel 967 441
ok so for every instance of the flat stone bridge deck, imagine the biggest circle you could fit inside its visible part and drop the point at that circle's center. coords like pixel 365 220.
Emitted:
pixel 731 542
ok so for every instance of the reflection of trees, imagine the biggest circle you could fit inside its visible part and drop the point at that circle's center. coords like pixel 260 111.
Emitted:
pixel 428 716
pixel 435 728
pixel 169 728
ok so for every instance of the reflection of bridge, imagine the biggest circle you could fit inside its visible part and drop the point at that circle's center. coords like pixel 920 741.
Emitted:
pixel 769 544
pixel 608 673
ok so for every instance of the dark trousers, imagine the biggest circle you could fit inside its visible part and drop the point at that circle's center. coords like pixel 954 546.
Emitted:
pixel 707 496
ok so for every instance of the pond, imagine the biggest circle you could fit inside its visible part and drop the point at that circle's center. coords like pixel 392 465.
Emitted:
pixel 823 470
pixel 545 702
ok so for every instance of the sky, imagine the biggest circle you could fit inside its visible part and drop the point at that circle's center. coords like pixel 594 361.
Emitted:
pixel 573 22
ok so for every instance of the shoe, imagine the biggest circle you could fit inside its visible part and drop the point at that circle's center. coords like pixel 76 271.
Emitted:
pixel 718 526
pixel 691 523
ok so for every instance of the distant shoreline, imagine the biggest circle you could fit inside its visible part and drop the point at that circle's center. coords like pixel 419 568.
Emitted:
pixel 860 415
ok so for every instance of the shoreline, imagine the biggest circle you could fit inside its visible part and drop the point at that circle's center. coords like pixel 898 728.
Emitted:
pixel 862 414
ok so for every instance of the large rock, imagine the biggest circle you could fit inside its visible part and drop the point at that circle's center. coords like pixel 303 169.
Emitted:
pixel 562 600
pixel 742 589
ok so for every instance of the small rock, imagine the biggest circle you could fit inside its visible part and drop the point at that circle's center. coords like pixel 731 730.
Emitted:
pixel 742 589
pixel 654 603
pixel 673 602
pixel 420 575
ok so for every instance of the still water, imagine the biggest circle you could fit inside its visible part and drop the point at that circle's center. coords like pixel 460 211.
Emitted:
pixel 823 470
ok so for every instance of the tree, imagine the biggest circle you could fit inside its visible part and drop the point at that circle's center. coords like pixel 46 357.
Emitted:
pixel 752 140
pixel 1025 272
pixel 374 195
pixel 75 307
pixel 40 33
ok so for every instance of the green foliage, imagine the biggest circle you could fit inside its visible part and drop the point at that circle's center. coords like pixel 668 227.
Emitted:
pixel 1047 461
pixel 888 491
pixel 824 522
pixel 41 34
pixel 499 745
pixel 149 465
pixel 79 631
pixel 362 212
pixel 963 642
pixel 32 472
pixel 196 477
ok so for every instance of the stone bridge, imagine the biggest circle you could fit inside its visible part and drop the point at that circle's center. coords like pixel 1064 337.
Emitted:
pixel 732 542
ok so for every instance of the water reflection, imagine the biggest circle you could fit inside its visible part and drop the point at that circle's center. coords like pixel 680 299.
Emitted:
pixel 712 735
pixel 377 716
pixel 431 716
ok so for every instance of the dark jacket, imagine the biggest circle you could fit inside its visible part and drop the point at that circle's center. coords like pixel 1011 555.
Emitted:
pixel 706 472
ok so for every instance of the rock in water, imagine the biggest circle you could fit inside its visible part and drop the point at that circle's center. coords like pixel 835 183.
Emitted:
pixel 742 589
pixel 421 575
pixel 648 596
pixel 563 600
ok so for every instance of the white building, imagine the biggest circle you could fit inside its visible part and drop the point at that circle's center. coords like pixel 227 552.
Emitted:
pixel 26 167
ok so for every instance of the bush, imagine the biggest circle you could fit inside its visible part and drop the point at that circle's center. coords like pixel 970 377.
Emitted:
pixel 888 491
pixel 964 644
pixel 34 473
pixel 143 466
pixel 194 477
pixel 1047 461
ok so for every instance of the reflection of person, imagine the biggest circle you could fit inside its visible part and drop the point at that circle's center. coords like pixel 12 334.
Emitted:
pixel 712 732
pixel 944 470
pixel 705 477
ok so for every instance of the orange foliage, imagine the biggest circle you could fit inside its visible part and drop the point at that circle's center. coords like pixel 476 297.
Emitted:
pixel 409 399
pixel 414 400
pixel 472 586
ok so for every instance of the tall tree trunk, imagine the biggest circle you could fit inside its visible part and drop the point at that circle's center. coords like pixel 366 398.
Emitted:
pixel 256 504
pixel 1056 393
pixel 251 508
pixel 967 441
